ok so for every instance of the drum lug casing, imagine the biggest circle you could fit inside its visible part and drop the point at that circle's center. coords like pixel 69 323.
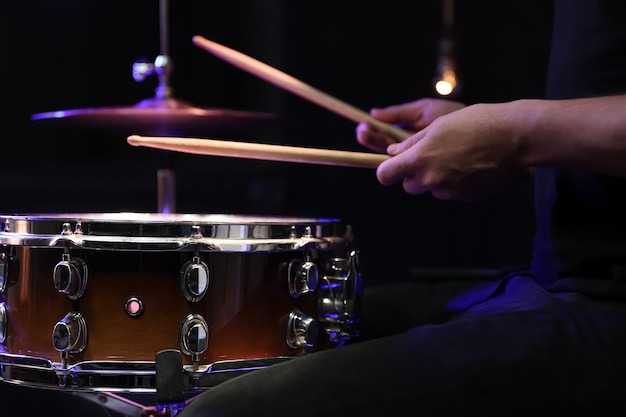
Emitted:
pixel 4 271
pixel 339 297
pixel 301 330
pixel 302 277
pixel 3 322
pixel 70 276
pixel 194 279
pixel 194 337
pixel 70 333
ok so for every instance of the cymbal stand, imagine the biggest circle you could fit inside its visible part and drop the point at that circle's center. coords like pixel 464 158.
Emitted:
pixel 166 180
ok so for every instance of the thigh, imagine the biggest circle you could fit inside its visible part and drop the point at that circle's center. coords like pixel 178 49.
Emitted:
pixel 388 309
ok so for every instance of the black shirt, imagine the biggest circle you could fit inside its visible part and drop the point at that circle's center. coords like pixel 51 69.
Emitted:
pixel 581 217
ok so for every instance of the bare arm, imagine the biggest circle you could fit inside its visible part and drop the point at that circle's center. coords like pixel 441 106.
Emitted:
pixel 470 152
pixel 583 134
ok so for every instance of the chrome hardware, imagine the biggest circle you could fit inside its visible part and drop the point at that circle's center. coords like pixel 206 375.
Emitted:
pixel 134 377
pixel 196 232
pixel 170 232
pixel 4 271
pixel 301 330
pixel 133 306
pixel 70 333
pixel 339 297
pixel 194 337
pixel 302 277
pixel 307 234
pixel 142 69
pixel 66 229
pixel 70 276
pixel 194 279
pixel 3 322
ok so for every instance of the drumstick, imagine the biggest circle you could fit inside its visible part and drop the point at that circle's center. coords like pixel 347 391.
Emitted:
pixel 260 151
pixel 298 87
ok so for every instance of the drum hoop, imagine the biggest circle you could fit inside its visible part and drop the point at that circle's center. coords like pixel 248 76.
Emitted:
pixel 168 244
pixel 43 373
pixel 170 232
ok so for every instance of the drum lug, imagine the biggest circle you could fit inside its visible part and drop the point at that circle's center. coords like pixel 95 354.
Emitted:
pixel 194 279
pixel 3 322
pixel 4 271
pixel 339 298
pixel 70 276
pixel 70 333
pixel 302 277
pixel 194 337
pixel 301 330
pixel 7 263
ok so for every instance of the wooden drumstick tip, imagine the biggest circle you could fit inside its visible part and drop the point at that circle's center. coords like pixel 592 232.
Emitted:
pixel 134 140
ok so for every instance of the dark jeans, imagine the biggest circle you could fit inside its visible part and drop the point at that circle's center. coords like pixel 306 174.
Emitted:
pixel 521 351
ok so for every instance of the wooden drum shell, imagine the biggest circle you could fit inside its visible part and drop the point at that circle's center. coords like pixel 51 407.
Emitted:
pixel 246 306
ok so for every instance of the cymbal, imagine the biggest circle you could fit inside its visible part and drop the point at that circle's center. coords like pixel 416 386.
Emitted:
pixel 158 116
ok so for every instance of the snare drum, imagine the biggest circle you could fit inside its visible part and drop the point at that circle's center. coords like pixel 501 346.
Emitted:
pixel 87 301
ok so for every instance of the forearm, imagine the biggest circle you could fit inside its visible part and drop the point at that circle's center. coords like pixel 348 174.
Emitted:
pixel 584 134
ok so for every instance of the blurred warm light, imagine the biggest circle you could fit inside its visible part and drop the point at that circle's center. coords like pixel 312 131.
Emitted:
pixel 443 88
pixel 446 84
pixel 445 81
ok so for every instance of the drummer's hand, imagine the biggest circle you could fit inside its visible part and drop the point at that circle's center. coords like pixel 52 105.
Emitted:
pixel 412 116
pixel 464 155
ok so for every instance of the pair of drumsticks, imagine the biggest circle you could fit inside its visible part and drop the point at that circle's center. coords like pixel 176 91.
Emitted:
pixel 276 152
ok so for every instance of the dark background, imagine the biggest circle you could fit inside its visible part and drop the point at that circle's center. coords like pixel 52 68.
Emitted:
pixel 71 54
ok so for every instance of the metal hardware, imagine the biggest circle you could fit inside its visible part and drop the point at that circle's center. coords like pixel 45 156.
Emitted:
pixel 339 298
pixel 135 377
pixel 70 276
pixel 301 330
pixel 194 279
pixel 302 277
pixel 4 271
pixel 3 322
pixel 194 337
pixel 70 333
